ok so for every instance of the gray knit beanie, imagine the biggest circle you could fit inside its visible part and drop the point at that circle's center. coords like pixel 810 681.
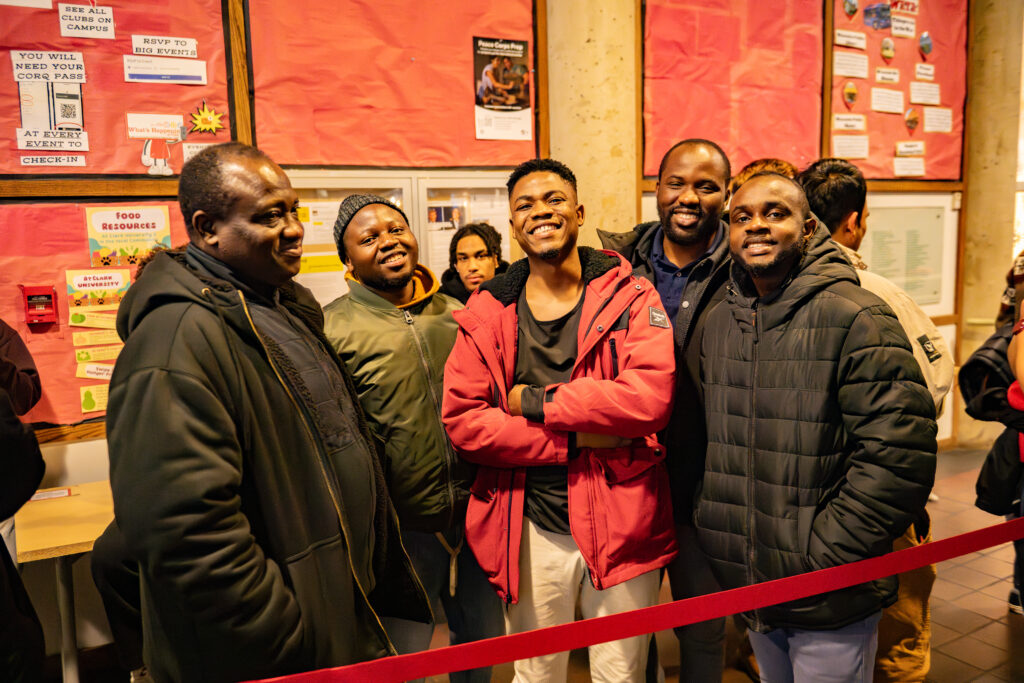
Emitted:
pixel 349 208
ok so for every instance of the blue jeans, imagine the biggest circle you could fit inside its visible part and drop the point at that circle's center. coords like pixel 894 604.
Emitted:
pixel 844 655
pixel 473 613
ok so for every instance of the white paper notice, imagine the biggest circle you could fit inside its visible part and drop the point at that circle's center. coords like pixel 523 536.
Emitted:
pixel 938 120
pixel 190 149
pixel 164 46
pixel 64 140
pixel 910 148
pixel 850 146
pixel 908 166
pixel 53 160
pixel 849 64
pixel 95 371
pixel 138 69
pixel 903 27
pixel 41 4
pixel 924 72
pixel 886 100
pixel 854 39
pixel 924 93
pixel 154 126
pixel 58 67
pixel 885 74
pixel 849 122
pixel 86 21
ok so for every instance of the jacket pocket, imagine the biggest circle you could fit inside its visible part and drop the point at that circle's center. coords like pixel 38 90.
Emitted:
pixel 485 485
pixel 621 465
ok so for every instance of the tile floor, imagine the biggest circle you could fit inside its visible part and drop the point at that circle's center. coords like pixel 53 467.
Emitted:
pixel 974 637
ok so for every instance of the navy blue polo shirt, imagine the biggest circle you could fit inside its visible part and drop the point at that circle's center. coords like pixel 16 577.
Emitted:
pixel 669 280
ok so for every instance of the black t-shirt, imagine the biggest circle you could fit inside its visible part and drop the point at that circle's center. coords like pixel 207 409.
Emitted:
pixel 547 352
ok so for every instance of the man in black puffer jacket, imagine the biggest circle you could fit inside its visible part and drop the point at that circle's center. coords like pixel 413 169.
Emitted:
pixel 821 433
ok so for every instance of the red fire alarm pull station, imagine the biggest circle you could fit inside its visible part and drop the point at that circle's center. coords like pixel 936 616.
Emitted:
pixel 40 303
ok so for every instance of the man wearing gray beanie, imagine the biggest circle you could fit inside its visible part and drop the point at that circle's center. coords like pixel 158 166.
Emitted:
pixel 394 331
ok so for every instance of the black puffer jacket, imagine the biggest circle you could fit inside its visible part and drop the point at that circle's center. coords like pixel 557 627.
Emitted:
pixel 254 560
pixel 821 436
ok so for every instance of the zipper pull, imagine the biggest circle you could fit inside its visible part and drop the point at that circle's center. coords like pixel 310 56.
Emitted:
pixel 408 316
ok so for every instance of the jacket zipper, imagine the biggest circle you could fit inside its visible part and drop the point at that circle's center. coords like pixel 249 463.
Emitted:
pixel 750 466
pixel 323 474
pixel 615 357
pixel 449 456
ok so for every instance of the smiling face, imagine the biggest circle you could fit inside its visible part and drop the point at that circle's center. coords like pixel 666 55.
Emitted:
pixel 260 238
pixel 380 250
pixel 768 228
pixel 691 194
pixel 472 262
pixel 546 218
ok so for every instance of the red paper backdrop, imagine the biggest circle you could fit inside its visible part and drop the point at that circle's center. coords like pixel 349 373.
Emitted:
pixel 377 82
pixel 744 73
pixel 946 22
pixel 105 95
pixel 41 241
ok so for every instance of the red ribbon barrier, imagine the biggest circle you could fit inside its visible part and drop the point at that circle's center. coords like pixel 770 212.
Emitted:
pixel 660 617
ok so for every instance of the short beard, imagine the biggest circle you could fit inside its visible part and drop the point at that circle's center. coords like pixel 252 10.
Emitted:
pixel 387 284
pixel 549 255
pixel 702 233
pixel 785 259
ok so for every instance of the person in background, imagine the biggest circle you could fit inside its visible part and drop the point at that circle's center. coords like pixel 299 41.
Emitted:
pixel 561 374
pixel 837 194
pixel 474 257
pixel 821 434
pixel 1013 296
pixel 686 256
pixel 22 649
pixel 246 483
pixel 394 331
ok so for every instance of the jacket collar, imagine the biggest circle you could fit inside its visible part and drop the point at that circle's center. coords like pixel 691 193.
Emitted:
pixel 507 287
pixel 425 286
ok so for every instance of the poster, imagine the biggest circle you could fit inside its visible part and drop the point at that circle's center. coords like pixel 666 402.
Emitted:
pixel 906 247
pixel 321 270
pixel 502 84
pixel 123 235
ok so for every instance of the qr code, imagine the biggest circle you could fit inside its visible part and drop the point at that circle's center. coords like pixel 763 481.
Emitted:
pixel 68 111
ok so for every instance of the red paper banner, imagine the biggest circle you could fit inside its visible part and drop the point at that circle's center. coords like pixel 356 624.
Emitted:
pixel 381 83
pixel 41 242
pixel 743 73
pixel 105 96
pixel 945 22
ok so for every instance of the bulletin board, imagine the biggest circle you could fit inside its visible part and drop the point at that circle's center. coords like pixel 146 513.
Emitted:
pixel 899 82
pixel 320 78
pixel 160 46
pixel 746 74
pixel 42 242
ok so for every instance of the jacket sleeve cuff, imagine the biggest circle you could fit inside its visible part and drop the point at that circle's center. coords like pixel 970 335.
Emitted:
pixel 532 403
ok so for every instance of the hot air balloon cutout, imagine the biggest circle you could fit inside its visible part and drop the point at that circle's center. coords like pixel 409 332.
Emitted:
pixel 911 120
pixel 850 7
pixel 888 49
pixel 925 45
pixel 849 94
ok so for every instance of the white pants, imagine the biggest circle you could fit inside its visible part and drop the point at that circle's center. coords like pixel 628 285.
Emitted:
pixel 552 578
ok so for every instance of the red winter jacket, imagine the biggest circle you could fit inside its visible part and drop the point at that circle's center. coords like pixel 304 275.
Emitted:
pixel 620 511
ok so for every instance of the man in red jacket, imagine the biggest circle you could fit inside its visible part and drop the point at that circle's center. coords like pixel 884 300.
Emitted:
pixel 562 373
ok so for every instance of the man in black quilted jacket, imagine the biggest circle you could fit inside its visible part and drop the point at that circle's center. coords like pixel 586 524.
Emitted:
pixel 821 434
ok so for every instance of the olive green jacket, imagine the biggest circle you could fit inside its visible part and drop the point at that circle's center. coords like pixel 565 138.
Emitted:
pixel 396 357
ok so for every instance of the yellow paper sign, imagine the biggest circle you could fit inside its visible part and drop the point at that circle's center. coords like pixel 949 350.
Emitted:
pixel 94 397
pixel 98 353
pixel 81 317
pixel 94 338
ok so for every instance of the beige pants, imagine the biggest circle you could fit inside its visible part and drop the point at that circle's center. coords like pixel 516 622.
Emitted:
pixel 552 579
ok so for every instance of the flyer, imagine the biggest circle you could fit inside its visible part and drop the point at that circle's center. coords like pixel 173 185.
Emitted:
pixel 502 82
pixel 94 397
pixel 123 235
pixel 86 21
pixel 90 288
pixel 143 69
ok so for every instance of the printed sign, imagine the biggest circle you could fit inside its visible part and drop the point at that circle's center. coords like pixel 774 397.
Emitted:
pixel 86 21
pixel 154 126
pixel 849 122
pixel 139 69
pixel 502 82
pixel 164 46
pixel 63 140
pixel 48 66
pixel 122 235
pixel 53 160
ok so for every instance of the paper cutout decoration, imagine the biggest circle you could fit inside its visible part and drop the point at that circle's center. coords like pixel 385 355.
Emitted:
pixel 925 45
pixel 849 94
pixel 205 120
pixel 850 7
pixel 888 49
pixel 878 16
pixel 911 119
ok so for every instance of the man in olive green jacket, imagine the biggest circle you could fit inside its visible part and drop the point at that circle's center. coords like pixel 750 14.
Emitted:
pixel 394 332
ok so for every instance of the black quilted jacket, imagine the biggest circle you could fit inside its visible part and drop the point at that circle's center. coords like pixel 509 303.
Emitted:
pixel 821 436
